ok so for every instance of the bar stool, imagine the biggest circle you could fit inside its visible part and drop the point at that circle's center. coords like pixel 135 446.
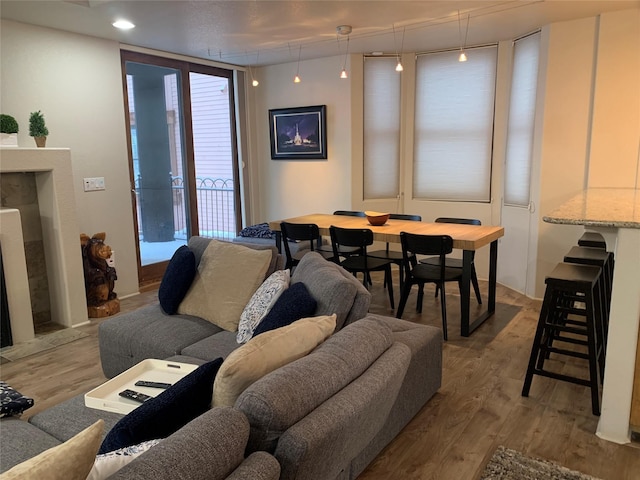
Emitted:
pixel 567 285
pixel 603 259
pixel 592 239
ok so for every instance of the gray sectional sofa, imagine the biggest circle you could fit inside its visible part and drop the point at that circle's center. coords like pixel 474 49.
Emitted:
pixel 324 416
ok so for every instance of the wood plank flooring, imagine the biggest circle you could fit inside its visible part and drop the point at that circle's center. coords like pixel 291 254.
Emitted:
pixel 478 407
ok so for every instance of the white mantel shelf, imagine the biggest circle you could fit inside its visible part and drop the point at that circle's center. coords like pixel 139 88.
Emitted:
pixel 615 213
pixel 61 237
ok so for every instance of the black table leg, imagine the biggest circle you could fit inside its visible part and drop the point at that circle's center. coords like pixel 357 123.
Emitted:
pixel 465 327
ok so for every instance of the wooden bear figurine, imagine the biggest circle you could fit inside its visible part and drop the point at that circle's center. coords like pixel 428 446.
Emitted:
pixel 99 277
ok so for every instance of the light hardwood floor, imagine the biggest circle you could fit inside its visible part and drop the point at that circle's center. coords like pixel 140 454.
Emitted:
pixel 478 407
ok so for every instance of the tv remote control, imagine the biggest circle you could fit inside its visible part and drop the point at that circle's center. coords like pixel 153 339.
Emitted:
pixel 146 383
pixel 135 396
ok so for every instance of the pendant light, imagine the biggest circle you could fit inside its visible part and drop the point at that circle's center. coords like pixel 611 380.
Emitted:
pixel 343 73
pixel 399 67
pixel 463 43
pixel 297 78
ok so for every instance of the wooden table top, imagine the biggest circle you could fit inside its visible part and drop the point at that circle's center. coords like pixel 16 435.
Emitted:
pixel 465 237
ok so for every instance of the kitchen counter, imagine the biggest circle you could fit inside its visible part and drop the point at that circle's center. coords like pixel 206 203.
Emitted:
pixel 615 213
pixel 600 207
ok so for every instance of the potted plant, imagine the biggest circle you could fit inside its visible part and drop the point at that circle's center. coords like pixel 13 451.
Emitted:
pixel 37 128
pixel 9 131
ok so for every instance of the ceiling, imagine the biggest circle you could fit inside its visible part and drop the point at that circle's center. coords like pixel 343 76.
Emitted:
pixel 263 32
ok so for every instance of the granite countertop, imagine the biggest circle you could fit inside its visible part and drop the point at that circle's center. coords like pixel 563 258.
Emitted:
pixel 601 207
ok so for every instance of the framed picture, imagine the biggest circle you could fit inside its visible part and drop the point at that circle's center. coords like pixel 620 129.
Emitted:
pixel 298 133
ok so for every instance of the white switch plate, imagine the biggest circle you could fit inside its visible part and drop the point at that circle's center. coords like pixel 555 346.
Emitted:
pixel 93 183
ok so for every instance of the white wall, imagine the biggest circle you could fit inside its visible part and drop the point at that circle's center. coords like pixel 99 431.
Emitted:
pixel 75 81
pixel 289 188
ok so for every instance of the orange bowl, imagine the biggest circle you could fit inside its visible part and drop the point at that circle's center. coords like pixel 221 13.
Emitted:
pixel 377 218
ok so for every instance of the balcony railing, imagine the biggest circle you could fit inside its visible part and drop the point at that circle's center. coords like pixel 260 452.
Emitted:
pixel 215 202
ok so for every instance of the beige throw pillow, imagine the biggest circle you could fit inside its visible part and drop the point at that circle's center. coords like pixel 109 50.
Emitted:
pixel 227 277
pixel 71 460
pixel 266 353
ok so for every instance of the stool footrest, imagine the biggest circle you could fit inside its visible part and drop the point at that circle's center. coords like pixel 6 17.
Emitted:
pixel 560 376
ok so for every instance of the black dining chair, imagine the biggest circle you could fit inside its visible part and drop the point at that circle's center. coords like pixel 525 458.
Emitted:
pixel 301 232
pixel 394 256
pixel 359 261
pixel 417 273
pixel 457 262
pixel 344 250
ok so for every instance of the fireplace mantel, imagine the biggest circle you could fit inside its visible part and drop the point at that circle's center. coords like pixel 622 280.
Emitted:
pixel 61 236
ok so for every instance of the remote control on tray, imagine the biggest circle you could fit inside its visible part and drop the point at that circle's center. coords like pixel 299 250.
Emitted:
pixel 135 396
pixel 146 383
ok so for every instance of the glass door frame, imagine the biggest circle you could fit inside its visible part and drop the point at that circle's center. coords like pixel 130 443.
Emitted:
pixel 152 273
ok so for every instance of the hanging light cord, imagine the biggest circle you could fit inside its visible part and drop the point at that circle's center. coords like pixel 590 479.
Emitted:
pixel 346 54
pixel 463 43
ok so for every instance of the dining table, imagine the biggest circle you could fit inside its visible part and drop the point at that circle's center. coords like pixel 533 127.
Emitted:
pixel 467 238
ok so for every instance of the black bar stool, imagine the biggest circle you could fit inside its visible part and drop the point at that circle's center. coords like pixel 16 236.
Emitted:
pixel 592 239
pixel 603 259
pixel 571 292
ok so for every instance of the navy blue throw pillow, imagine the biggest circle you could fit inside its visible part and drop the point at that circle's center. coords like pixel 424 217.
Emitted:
pixel 177 279
pixel 168 412
pixel 295 303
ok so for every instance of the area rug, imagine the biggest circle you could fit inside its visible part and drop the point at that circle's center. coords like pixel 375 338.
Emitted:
pixel 506 464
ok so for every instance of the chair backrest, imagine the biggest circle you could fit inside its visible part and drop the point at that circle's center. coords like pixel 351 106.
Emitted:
pixel 298 232
pixel 414 244
pixel 405 216
pixel 465 221
pixel 351 213
pixel 350 237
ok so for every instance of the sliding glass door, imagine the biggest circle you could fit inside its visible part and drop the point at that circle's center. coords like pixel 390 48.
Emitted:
pixel 183 156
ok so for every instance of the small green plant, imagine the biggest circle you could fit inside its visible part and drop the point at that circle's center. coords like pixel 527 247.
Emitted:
pixel 8 124
pixel 37 127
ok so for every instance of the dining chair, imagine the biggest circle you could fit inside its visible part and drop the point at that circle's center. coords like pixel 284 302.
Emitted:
pixel 301 232
pixel 344 250
pixel 457 262
pixel 394 256
pixel 417 273
pixel 359 261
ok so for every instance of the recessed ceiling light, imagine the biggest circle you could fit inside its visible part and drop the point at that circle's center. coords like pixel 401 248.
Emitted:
pixel 123 24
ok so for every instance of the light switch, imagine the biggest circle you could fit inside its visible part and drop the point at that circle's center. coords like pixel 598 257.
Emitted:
pixel 92 184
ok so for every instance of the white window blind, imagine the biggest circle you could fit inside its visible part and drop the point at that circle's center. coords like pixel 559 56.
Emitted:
pixel 522 109
pixel 381 128
pixel 454 125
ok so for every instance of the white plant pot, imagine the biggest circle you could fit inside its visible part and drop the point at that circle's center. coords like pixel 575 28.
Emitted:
pixel 8 139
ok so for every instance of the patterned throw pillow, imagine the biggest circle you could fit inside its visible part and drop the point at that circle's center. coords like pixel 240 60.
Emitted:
pixel 12 402
pixel 261 302
pixel 109 463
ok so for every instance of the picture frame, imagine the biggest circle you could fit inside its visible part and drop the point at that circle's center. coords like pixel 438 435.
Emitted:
pixel 298 133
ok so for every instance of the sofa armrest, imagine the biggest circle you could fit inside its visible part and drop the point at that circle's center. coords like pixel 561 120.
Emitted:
pixel 210 446
pixel 257 466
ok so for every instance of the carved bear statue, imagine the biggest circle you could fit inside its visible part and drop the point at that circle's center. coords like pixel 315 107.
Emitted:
pixel 99 277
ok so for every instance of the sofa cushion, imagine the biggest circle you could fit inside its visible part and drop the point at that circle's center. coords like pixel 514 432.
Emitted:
pixel 147 332
pixel 227 277
pixel 65 420
pixel 177 279
pixel 295 303
pixel 261 302
pixel 336 290
pixel 12 402
pixel 70 461
pixel 311 380
pixel 21 441
pixel 215 346
pixel 167 412
pixel 267 352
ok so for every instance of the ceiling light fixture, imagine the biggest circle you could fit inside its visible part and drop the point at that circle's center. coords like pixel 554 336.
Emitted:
pixel 297 78
pixel 123 24
pixel 344 30
pixel 399 66
pixel 463 43
pixel 254 82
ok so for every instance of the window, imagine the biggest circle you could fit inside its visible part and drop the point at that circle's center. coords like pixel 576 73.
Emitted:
pixel 381 128
pixel 522 109
pixel 454 125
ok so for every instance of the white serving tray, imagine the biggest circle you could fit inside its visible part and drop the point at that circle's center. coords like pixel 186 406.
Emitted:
pixel 105 396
